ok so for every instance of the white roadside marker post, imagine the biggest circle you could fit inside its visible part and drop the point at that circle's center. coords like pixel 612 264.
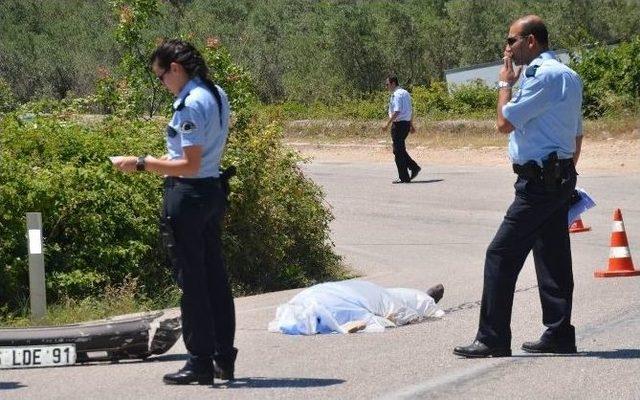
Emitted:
pixel 37 291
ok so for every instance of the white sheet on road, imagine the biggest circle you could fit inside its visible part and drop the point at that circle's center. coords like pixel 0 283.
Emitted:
pixel 326 307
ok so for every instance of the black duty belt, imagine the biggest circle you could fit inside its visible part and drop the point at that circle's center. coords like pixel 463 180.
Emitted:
pixel 196 182
pixel 532 170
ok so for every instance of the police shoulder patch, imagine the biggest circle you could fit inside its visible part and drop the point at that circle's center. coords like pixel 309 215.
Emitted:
pixel 187 126
pixel 531 71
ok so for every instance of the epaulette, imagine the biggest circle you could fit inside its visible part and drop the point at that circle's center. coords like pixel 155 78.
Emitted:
pixel 180 103
pixel 531 71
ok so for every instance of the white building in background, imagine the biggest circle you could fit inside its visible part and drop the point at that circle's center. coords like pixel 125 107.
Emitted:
pixel 486 73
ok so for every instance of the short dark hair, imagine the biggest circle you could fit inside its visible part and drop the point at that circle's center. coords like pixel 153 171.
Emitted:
pixel 538 29
pixel 393 79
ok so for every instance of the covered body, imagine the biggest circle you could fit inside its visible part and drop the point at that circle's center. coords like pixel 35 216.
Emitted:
pixel 327 307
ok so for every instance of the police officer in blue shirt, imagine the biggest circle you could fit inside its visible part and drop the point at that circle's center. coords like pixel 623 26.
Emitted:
pixel 543 119
pixel 401 122
pixel 194 206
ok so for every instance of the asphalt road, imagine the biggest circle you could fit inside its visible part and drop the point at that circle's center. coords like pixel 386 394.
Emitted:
pixel 415 235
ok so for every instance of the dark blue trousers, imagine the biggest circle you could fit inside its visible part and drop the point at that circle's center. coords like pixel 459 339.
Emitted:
pixel 404 162
pixel 193 214
pixel 536 220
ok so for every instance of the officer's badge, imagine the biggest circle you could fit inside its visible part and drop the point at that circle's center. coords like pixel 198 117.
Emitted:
pixel 187 127
pixel 171 132
pixel 531 71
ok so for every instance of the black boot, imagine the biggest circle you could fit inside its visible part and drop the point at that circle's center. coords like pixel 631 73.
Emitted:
pixel 541 346
pixel 200 372
pixel 223 366
pixel 415 172
pixel 477 349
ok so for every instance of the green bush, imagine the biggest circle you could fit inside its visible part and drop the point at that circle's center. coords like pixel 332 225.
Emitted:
pixel 434 101
pixel 7 100
pixel 369 107
pixel 46 105
pixel 473 97
pixel 277 235
pixel 611 78
pixel 100 225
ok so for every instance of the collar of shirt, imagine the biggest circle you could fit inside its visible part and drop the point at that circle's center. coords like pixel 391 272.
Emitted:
pixel 393 94
pixel 185 91
pixel 547 55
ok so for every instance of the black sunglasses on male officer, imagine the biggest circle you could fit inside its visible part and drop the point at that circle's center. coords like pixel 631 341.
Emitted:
pixel 513 39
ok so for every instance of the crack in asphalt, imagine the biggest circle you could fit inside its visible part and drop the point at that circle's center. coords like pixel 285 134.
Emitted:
pixel 475 304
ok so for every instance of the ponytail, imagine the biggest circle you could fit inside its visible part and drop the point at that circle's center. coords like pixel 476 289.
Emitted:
pixel 214 91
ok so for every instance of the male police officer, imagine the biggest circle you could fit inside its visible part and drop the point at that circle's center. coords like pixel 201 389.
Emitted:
pixel 544 121
pixel 401 121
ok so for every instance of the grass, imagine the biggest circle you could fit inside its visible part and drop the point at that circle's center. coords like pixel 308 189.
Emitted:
pixel 115 300
pixel 474 133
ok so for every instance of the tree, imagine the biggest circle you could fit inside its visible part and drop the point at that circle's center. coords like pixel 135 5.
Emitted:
pixel 356 53
pixel 53 48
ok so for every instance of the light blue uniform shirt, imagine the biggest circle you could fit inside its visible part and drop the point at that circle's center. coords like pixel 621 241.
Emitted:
pixel 546 112
pixel 400 101
pixel 196 122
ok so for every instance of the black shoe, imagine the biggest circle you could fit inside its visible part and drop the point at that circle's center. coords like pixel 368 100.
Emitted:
pixel 225 374
pixel 189 374
pixel 223 365
pixel 477 349
pixel 400 181
pixel 415 172
pixel 436 292
pixel 541 346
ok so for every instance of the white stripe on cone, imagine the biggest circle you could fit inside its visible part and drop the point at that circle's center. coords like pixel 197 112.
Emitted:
pixel 619 252
pixel 618 226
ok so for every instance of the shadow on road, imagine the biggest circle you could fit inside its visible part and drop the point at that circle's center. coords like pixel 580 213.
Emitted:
pixel 11 385
pixel 262 382
pixel 169 357
pixel 427 181
pixel 618 354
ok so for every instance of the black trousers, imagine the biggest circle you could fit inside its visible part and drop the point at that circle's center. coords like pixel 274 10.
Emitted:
pixel 193 213
pixel 404 163
pixel 536 220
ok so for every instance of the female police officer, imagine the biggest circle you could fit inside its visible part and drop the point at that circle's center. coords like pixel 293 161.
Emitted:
pixel 194 205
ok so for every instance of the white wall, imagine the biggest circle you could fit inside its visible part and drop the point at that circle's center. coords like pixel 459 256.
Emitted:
pixel 487 73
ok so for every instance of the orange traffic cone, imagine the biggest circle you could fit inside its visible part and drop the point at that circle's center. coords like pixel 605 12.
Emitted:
pixel 620 263
pixel 578 226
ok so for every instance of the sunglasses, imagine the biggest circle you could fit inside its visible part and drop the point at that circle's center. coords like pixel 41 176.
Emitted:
pixel 161 76
pixel 513 39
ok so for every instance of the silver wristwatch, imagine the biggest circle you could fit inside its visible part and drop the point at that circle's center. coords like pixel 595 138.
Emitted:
pixel 504 84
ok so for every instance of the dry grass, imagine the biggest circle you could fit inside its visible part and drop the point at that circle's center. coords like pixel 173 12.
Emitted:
pixel 116 300
pixel 450 134
pixel 610 144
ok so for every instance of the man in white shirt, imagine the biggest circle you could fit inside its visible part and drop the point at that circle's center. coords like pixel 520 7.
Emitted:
pixel 401 122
